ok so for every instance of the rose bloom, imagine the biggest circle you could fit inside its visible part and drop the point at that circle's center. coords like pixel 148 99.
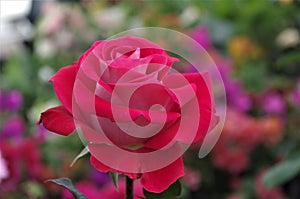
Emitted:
pixel 120 64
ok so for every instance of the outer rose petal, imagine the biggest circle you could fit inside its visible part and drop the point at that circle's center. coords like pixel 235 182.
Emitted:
pixel 83 56
pixel 99 166
pixel 160 180
pixel 103 168
pixel 205 101
pixel 63 82
pixel 58 120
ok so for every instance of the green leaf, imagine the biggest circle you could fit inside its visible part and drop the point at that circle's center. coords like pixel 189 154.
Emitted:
pixel 34 189
pixel 114 176
pixel 254 76
pixel 67 183
pixel 282 172
pixel 288 59
pixel 80 155
pixel 172 192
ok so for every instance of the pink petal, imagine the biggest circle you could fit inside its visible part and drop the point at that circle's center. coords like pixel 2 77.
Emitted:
pixel 63 82
pixel 204 97
pixel 82 57
pixel 58 120
pixel 104 109
pixel 103 168
pixel 160 180
pixel 164 137
pixel 100 166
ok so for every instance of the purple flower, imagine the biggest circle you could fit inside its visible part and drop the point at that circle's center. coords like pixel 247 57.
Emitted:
pixel 295 95
pixel 11 100
pixel 2 99
pixel 273 103
pixel 296 98
pixel 201 35
pixel 14 100
pixel 98 177
pixel 13 128
pixel 237 97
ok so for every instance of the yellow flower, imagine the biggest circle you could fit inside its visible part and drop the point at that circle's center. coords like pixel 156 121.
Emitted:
pixel 242 48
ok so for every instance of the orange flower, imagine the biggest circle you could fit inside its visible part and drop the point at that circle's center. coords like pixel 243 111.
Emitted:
pixel 272 128
pixel 242 48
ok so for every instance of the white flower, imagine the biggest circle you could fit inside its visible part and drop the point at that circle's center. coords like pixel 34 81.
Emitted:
pixel 288 38
pixel 3 169
pixel 189 16
pixel 111 18
pixel 46 48
pixel 45 73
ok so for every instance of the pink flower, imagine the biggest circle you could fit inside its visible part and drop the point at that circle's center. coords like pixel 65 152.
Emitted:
pixel 265 193
pixel 234 197
pixel 21 158
pixel 192 179
pixel 4 173
pixel 232 159
pixel 88 189
pixel 108 191
pixel 232 151
pixel 119 81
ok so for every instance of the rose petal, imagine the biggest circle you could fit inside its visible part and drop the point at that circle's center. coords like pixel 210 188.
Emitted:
pixel 63 82
pixel 203 83
pixel 104 109
pixel 160 180
pixel 91 49
pixel 205 101
pixel 132 42
pixel 58 120
pixel 164 137
pixel 116 135
pixel 103 168
pixel 100 166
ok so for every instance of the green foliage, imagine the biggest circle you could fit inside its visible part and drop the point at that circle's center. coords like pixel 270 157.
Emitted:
pixel 288 63
pixel 18 73
pixel 67 183
pixel 34 189
pixel 172 192
pixel 254 76
pixel 282 172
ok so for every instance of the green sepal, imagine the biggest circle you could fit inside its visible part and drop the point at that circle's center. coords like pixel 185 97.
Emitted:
pixel 114 177
pixel 80 155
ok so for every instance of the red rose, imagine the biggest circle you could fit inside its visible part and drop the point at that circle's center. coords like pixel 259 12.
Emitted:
pixel 127 103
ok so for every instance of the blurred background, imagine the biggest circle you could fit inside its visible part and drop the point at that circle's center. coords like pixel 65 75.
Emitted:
pixel 256 47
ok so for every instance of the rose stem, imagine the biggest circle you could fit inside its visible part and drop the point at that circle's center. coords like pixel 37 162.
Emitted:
pixel 129 188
